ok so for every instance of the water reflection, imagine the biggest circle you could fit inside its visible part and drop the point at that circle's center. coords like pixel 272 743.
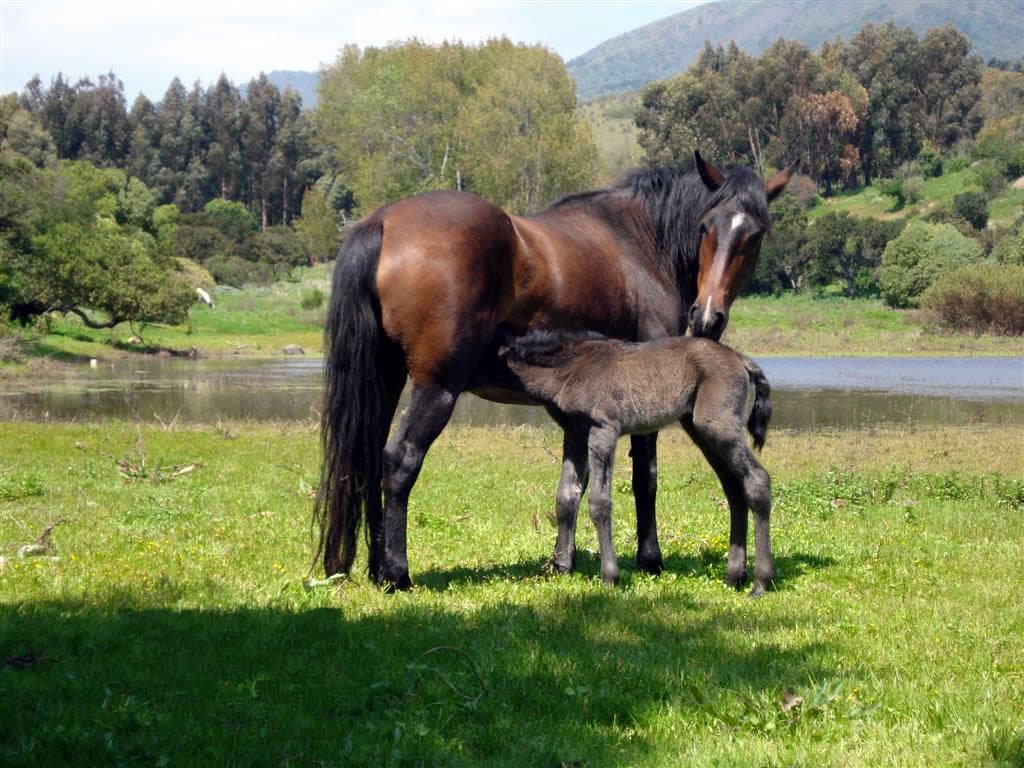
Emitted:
pixel 836 392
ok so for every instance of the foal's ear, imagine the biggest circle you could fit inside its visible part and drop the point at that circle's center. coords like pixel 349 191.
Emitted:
pixel 709 174
pixel 774 186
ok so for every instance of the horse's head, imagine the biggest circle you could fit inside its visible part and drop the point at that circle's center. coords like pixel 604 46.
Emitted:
pixel 730 239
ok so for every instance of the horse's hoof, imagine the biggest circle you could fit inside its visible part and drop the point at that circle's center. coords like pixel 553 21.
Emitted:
pixel 400 583
pixel 650 564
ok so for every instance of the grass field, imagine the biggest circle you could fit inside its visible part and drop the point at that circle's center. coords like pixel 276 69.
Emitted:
pixel 174 629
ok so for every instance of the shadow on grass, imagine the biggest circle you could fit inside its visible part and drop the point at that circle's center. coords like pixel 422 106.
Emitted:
pixel 588 564
pixel 41 349
pixel 577 679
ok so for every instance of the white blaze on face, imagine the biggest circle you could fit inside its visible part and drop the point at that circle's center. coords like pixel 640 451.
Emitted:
pixel 737 220
pixel 707 311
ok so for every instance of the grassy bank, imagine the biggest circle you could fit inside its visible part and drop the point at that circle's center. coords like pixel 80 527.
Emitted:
pixel 261 321
pixel 175 629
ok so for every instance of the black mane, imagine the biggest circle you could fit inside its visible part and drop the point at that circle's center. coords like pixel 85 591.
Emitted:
pixel 547 348
pixel 676 200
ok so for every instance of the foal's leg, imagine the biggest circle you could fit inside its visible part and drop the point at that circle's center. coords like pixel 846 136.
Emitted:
pixel 730 449
pixel 430 407
pixel 644 452
pixel 567 500
pixel 601 448
pixel 736 560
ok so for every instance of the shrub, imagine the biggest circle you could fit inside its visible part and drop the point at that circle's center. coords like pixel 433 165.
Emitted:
pixel 1010 250
pixel 913 189
pixel 972 207
pixel 231 219
pixel 918 256
pixel 989 177
pixel 982 298
pixel 804 190
pixel 231 270
pixel 929 162
pixel 956 163
pixel 894 188
pixel 312 299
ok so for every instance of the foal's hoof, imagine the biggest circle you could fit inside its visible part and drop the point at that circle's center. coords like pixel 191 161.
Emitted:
pixel 759 590
pixel 736 579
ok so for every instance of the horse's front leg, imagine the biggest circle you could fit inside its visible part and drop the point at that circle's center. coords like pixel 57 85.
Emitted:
pixel 644 453
pixel 601 451
pixel 567 500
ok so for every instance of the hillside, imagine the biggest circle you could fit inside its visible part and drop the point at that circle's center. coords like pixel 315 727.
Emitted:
pixel 666 47
pixel 303 82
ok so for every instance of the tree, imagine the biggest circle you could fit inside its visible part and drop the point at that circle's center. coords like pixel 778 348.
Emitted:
pixel 318 226
pixel 918 256
pixel 63 249
pixel 948 82
pixel 498 119
pixel 259 135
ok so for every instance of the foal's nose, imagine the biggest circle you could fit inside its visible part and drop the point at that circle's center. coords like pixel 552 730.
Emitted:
pixel 712 327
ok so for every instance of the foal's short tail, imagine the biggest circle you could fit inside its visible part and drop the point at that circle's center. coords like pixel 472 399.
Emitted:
pixel 761 414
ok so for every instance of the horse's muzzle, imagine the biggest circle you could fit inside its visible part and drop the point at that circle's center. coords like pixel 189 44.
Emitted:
pixel 709 325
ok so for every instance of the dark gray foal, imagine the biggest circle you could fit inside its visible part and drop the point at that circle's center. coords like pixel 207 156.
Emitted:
pixel 599 389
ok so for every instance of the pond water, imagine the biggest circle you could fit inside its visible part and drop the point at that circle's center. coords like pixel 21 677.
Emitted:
pixel 806 392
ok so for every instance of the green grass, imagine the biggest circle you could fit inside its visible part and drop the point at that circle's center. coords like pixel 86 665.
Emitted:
pixel 175 630
pixel 871 202
pixel 802 325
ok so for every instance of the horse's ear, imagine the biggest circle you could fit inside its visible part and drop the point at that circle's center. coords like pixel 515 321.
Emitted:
pixel 774 186
pixel 709 174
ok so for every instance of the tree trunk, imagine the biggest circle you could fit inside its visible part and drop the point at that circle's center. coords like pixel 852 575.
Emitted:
pixel 284 202
pixel 263 212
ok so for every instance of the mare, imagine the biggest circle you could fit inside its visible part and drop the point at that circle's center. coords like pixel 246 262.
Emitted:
pixel 599 389
pixel 422 285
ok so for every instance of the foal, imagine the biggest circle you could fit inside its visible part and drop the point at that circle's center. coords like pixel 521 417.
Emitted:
pixel 599 389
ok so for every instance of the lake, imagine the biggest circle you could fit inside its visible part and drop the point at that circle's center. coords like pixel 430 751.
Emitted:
pixel 807 392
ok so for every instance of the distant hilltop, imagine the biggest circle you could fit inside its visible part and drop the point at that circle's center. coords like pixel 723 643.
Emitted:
pixel 668 46
pixel 304 83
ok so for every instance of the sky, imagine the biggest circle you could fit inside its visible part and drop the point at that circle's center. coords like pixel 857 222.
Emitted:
pixel 147 44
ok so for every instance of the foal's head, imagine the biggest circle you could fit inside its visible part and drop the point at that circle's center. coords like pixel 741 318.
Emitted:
pixel 730 239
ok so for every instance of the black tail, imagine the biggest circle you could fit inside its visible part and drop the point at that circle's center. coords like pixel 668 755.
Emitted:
pixel 761 414
pixel 361 388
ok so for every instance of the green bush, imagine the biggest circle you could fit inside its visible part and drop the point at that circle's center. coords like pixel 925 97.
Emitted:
pixel 1010 249
pixel 913 189
pixel 894 188
pixel 921 253
pixel 982 298
pixel 972 207
pixel 988 175
pixel 312 299
pixel 231 219
pixel 929 162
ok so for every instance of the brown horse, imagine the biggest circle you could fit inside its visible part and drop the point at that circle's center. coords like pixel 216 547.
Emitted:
pixel 422 285
pixel 599 389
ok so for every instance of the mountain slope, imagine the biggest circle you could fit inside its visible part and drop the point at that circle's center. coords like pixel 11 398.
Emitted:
pixel 667 46
pixel 304 83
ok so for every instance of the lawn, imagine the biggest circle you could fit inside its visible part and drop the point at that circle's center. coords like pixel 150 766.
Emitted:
pixel 175 628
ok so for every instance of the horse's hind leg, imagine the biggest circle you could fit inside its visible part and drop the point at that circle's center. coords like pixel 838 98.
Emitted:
pixel 430 407
pixel 570 490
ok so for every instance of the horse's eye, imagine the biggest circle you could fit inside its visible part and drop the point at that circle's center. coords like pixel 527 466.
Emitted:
pixel 703 229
